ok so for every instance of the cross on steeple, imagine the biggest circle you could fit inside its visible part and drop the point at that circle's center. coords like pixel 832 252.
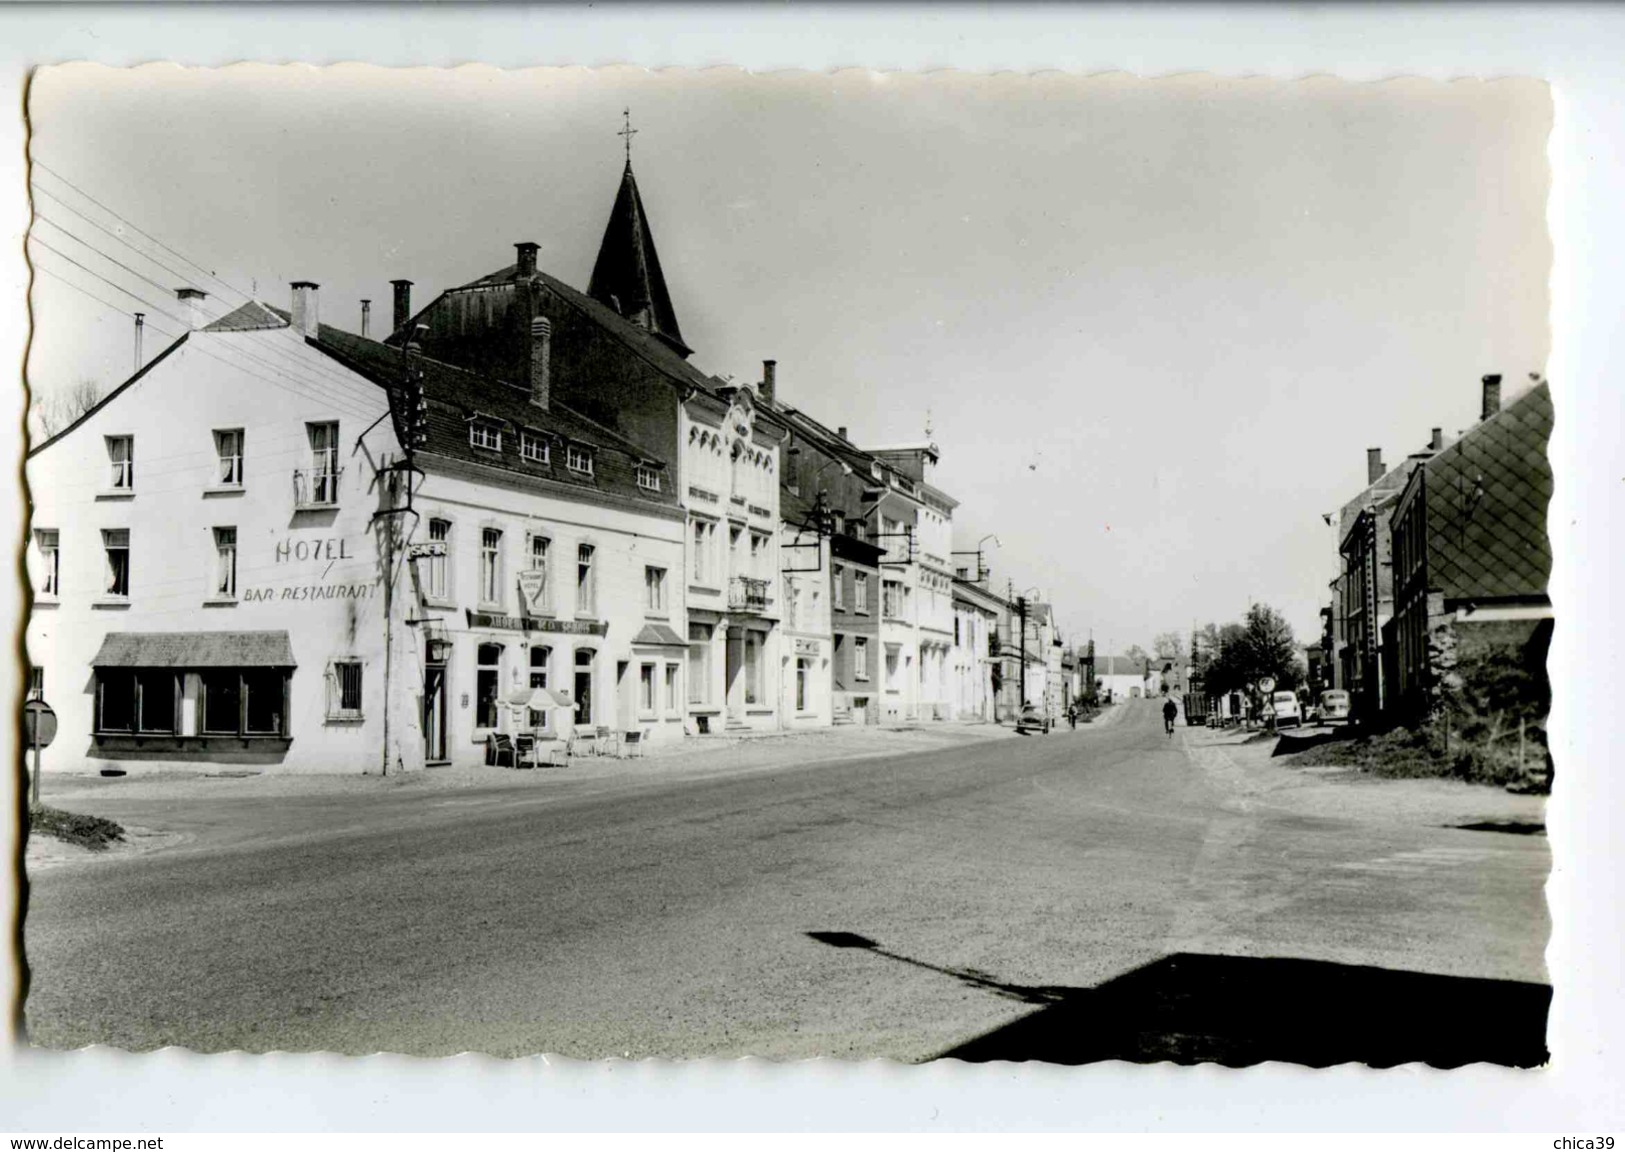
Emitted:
pixel 628 132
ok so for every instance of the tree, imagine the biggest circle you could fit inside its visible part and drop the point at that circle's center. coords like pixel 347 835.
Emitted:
pixel 1271 648
pixel 55 410
pixel 1169 646
pixel 1136 654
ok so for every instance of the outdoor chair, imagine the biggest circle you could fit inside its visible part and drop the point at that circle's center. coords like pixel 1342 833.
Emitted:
pixel 605 737
pixel 499 747
pixel 632 742
pixel 580 741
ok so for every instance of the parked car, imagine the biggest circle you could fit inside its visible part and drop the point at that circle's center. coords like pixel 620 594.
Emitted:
pixel 1334 706
pixel 1284 705
pixel 1032 720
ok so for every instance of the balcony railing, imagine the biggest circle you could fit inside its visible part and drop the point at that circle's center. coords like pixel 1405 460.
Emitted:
pixel 747 594
pixel 316 489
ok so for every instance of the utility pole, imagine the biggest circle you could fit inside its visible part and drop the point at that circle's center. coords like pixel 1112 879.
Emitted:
pixel 1021 607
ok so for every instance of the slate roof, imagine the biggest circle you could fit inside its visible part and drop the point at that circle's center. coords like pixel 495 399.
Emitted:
pixel 456 396
pixel 195 650
pixel 659 634
pixel 628 268
pixel 251 317
pixel 1486 497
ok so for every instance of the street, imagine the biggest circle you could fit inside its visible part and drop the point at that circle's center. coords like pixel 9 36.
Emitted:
pixel 1102 893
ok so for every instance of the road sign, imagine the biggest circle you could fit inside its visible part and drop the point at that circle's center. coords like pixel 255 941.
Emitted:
pixel 1267 684
pixel 39 724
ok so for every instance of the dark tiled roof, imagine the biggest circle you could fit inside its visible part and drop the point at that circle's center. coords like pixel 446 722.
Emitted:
pixel 194 650
pixel 1486 505
pixel 659 634
pixel 628 268
pixel 456 396
pixel 251 317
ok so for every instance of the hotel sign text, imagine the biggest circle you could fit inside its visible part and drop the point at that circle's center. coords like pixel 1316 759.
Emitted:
pixel 536 624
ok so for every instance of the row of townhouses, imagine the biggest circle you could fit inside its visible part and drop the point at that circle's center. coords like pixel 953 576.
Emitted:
pixel 1443 556
pixel 522 512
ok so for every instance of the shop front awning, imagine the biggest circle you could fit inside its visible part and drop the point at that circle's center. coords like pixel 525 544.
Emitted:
pixel 659 635
pixel 195 650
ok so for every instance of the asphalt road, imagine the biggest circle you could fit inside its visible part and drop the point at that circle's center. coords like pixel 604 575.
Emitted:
pixel 1085 895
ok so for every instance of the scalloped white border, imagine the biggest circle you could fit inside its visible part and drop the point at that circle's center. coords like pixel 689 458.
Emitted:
pixel 1577 48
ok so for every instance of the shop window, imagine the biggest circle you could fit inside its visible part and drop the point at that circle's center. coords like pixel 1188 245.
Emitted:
pixel 115 692
pixel 121 463
pixel 47 542
pixel 116 545
pixel 225 563
pixel 541 663
pixel 262 701
pixel 222 701
pixel 228 447
pixel 344 690
pixel 487 685
pixel 583 686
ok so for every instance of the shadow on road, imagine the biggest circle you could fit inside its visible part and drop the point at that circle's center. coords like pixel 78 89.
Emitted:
pixel 1234 1010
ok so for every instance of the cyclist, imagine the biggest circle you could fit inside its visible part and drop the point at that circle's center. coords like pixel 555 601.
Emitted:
pixel 1169 711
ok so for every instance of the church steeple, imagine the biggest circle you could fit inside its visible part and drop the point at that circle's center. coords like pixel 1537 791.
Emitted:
pixel 627 275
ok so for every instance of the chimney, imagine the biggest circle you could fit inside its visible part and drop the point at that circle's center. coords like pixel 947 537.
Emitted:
pixel 1438 439
pixel 527 259
pixel 841 431
pixel 1492 396
pixel 366 319
pixel 770 372
pixel 140 322
pixel 541 356
pixel 403 303
pixel 192 305
pixel 305 318
pixel 1373 465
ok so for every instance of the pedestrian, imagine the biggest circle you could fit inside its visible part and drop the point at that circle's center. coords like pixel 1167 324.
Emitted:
pixel 1169 711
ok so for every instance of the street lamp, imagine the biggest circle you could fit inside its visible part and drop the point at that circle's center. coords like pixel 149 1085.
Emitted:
pixel 981 572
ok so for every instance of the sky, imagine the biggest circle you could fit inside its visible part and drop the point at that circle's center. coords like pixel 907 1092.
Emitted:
pixel 1152 325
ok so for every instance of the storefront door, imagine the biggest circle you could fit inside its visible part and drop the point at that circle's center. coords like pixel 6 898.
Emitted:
pixel 734 685
pixel 434 712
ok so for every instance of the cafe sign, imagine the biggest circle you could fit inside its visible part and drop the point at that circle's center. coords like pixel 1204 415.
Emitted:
pixel 533 589
pixel 536 624
pixel 809 647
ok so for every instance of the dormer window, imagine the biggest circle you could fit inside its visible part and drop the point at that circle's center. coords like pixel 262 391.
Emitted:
pixel 485 435
pixel 533 448
pixel 578 459
pixel 648 478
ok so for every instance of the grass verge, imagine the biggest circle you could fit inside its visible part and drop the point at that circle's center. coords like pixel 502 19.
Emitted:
pixel 90 832
pixel 1409 753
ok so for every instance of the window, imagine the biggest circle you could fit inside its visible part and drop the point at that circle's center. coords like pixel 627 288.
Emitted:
pixel 704 538
pixel 860 592
pixel 753 667
pixel 487 683
pixel 699 664
pixel 891 599
pixel 801 684
pixel 485 435
pixel 586 586
pixel 758 554
pixel 733 549
pixel 262 701
pixel 36 682
pixel 50 554
pixel 121 459
pixel 155 700
pixel 648 478
pixel 116 543
pixel 578 459
pixel 646 689
pixel 584 670
pixel 860 658
pixel 891 669
pixel 837 588
pixel 490 566
pixel 115 698
pixel 654 587
pixel 956 630
pixel 139 700
pixel 533 448
pixel 439 533
pixel 225 563
pixel 671 688
pixel 344 690
pixel 222 701
pixel 542 601
pixel 324 462
pixel 541 663
pixel 228 446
